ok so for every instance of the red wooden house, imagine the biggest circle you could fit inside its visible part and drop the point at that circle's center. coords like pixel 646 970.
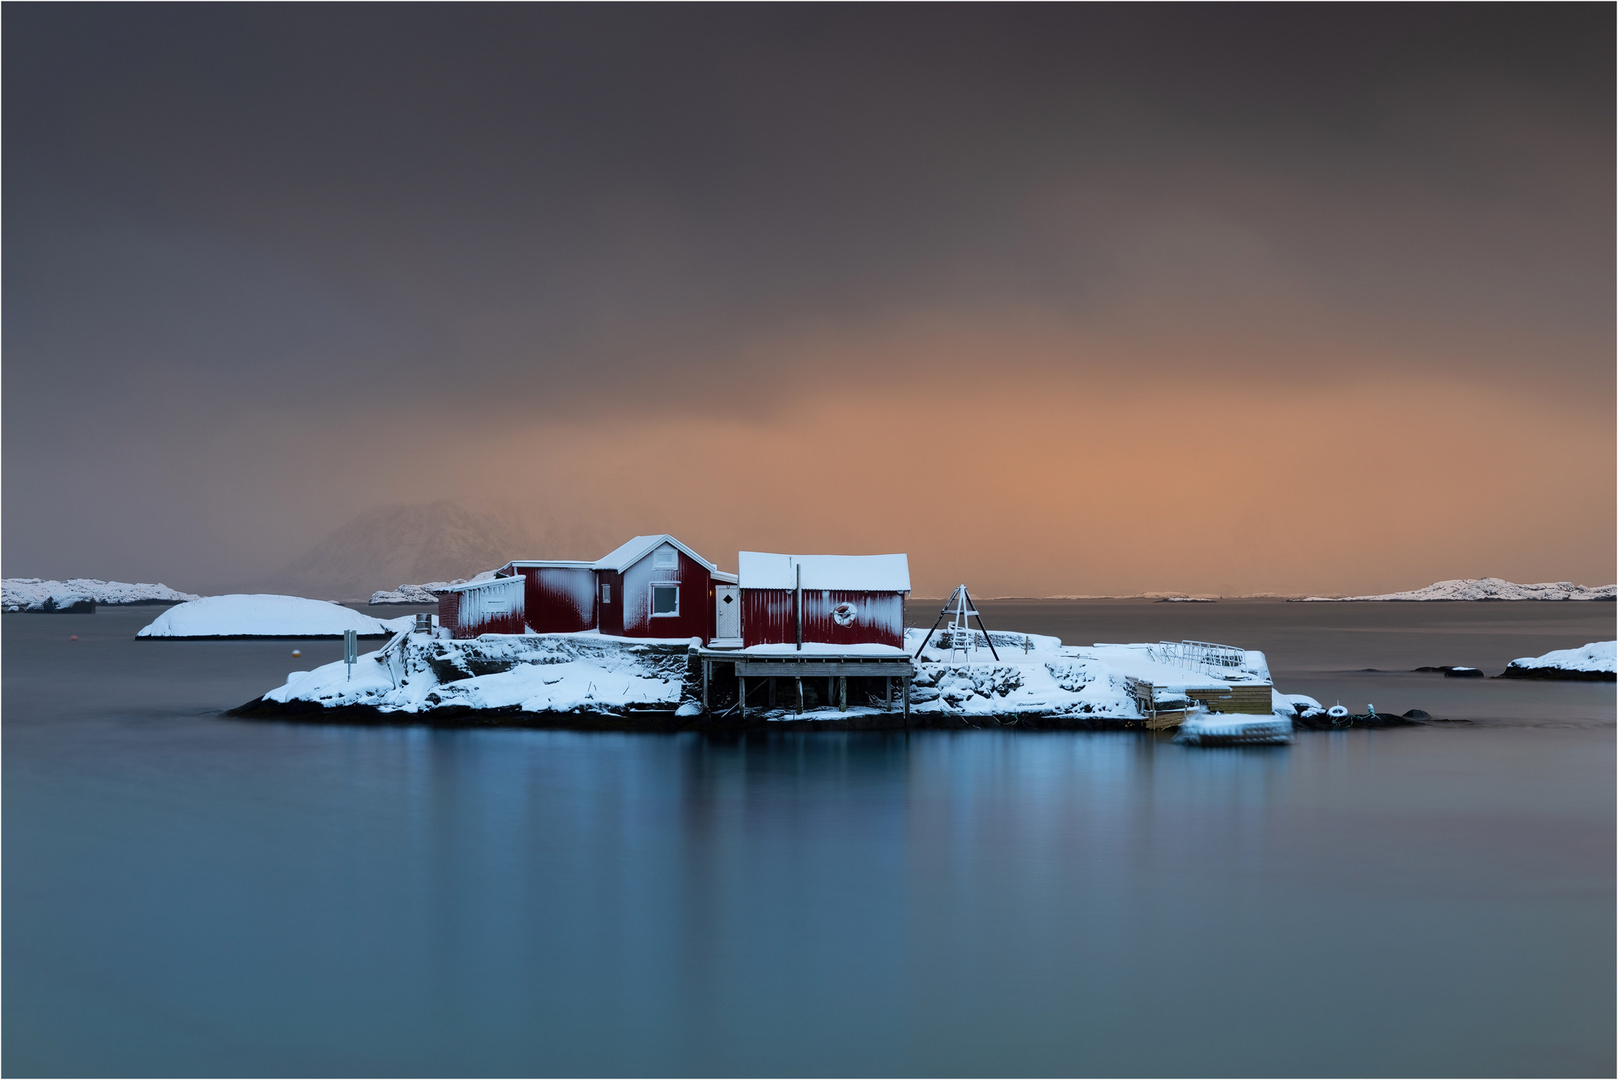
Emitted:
pixel 651 587
pixel 829 599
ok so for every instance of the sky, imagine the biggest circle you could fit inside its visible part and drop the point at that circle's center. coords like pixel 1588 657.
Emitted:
pixel 1059 300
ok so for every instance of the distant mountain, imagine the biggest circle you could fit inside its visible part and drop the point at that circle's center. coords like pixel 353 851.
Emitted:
pixel 437 541
pixel 36 594
pixel 1492 589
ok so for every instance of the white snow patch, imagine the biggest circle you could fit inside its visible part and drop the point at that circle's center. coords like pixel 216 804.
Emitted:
pixel 1490 589
pixel 528 672
pixel 815 648
pixel 265 615
pixel 856 573
pixel 1596 656
pixel 32 594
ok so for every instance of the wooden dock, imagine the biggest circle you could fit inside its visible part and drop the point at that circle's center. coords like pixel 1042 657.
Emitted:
pixel 766 671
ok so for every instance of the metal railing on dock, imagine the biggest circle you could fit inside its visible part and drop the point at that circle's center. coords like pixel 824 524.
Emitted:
pixel 1195 654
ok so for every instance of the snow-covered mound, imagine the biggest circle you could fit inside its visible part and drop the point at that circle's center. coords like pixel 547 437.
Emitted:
pixel 38 594
pixel 265 615
pixel 1595 661
pixel 540 673
pixel 1490 588
pixel 422 594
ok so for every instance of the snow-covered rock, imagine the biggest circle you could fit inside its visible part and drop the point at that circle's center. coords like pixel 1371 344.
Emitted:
pixel 39 594
pixel 1491 589
pixel 422 594
pixel 539 673
pixel 1596 661
pixel 265 615
pixel 597 674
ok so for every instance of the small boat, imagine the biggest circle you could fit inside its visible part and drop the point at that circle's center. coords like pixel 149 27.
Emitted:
pixel 1234 729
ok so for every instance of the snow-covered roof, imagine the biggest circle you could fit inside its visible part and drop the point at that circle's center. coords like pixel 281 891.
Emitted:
pixel 858 573
pixel 566 564
pixel 467 586
pixel 627 555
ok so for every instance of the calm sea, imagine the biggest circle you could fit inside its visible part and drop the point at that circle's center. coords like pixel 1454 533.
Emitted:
pixel 185 894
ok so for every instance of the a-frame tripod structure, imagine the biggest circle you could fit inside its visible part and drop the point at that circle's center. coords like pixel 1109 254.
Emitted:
pixel 963 609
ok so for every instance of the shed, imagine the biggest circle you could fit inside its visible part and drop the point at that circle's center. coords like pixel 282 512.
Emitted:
pixel 828 599
pixel 493 606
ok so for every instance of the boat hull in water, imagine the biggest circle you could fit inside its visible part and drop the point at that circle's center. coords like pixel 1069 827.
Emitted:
pixel 1230 729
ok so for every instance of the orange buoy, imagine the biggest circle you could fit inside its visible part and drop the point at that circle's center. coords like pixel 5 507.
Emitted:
pixel 295 652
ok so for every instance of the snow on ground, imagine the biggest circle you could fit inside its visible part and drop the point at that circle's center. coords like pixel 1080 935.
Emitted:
pixel 1596 656
pixel 265 615
pixel 37 594
pixel 423 594
pixel 531 672
pixel 593 673
pixel 1491 589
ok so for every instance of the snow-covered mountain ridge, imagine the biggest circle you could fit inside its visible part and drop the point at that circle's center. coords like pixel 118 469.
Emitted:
pixel 1490 589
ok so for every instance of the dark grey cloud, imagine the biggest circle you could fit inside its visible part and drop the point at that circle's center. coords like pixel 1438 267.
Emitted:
pixel 211 210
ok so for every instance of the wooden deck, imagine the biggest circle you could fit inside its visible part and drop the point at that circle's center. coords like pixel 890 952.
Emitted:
pixel 766 670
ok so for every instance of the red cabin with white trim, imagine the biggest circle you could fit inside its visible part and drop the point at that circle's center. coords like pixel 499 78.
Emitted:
pixel 652 587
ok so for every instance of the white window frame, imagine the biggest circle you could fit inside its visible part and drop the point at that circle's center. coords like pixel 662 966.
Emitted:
pixel 652 599
pixel 606 592
pixel 673 556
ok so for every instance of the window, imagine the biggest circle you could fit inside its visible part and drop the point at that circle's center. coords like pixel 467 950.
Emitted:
pixel 606 593
pixel 665 599
pixel 665 557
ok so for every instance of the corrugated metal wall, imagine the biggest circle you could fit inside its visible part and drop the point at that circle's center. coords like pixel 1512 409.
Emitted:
pixel 878 618
pixel 493 607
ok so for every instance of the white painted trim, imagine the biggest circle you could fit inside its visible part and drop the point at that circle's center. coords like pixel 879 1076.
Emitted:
pixel 633 551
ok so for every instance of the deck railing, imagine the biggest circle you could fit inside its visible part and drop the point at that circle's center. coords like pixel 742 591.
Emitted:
pixel 1198 654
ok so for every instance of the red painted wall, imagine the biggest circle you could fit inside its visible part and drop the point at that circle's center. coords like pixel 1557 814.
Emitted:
pixel 559 599
pixel 449 606
pixel 696 599
pixel 767 618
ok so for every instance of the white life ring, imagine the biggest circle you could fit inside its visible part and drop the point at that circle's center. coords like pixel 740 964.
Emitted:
pixel 844 614
pixel 1336 712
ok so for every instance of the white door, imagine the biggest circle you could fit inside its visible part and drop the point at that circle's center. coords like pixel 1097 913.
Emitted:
pixel 727 611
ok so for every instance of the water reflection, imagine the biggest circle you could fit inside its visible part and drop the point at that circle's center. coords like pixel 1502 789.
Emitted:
pixel 189 895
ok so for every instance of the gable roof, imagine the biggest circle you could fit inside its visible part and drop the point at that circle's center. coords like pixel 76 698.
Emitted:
pixel 858 573
pixel 626 555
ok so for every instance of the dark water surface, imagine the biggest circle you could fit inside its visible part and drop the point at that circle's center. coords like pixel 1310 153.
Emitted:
pixel 186 894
